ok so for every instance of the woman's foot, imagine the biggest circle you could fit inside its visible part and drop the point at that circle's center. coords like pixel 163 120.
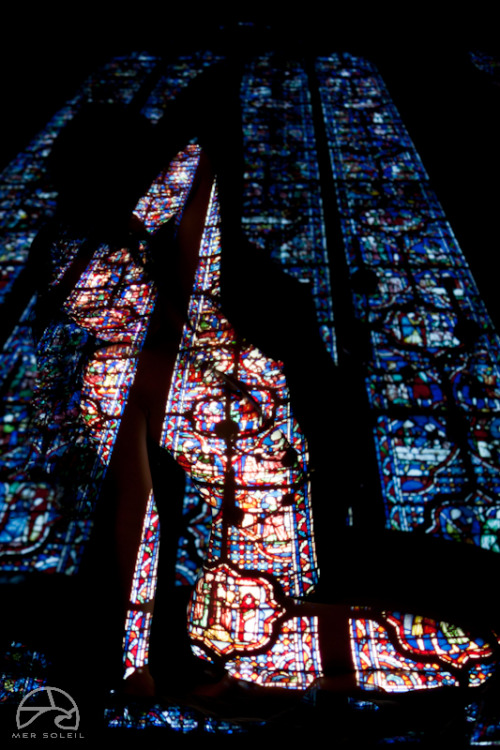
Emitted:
pixel 139 684
pixel 237 700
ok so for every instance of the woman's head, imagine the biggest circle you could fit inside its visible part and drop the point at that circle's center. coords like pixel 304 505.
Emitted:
pixel 101 164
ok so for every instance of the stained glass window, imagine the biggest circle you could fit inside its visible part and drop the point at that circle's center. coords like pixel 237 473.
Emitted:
pixel 53 545
pixel 433 347
pixel 248 548
pixel 282 208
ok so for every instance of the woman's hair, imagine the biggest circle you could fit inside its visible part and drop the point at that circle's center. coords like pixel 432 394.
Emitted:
pixel 100 165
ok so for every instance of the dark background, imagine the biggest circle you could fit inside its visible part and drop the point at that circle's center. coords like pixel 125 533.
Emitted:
pixel 450 108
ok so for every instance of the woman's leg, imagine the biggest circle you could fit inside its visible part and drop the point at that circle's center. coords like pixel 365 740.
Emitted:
pixel 130 476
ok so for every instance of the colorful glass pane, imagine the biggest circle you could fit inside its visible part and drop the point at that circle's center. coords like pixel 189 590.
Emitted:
pixel 432 345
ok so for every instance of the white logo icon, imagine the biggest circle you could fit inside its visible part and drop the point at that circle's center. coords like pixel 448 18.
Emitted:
pixel 41 701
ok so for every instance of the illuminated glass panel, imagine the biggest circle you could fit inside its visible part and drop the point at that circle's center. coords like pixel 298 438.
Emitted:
pixel 121 79
pixel 174 718
pixel 112 300
pixel 432 380
pixel 193 542
pixel 486 63
pixel 35 534
pixel 18 375
pixel 228 423
pixel 138 624
pixel 434 366
pixel 21 670
pixel 292 662
pixel 399 653
pixel 167 194
pixel 27 200
pixel 175 77
pixel 282 204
